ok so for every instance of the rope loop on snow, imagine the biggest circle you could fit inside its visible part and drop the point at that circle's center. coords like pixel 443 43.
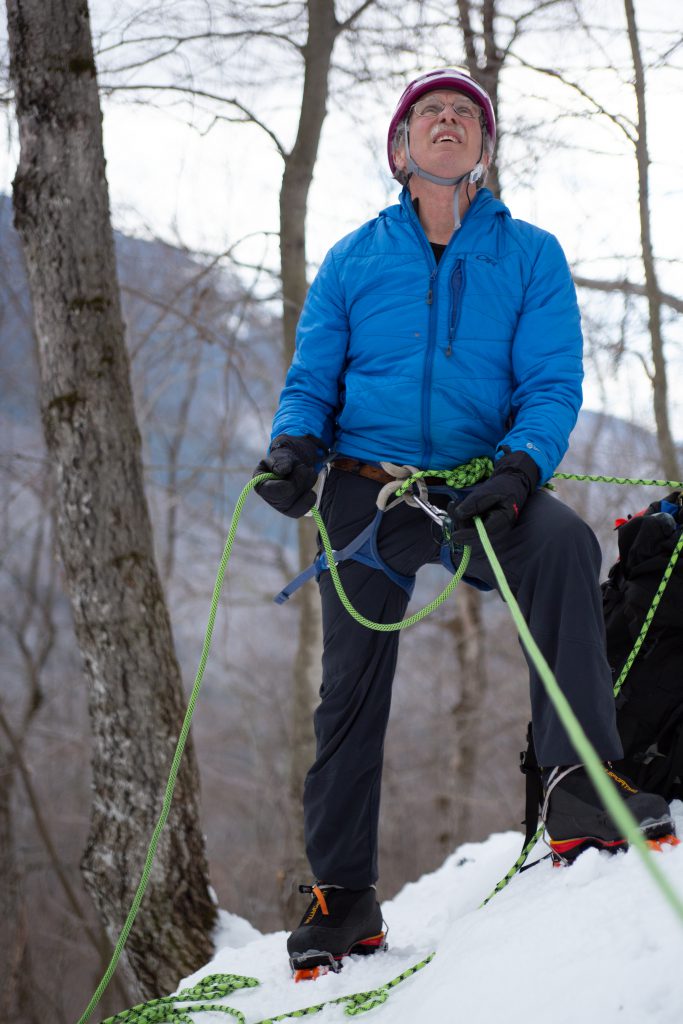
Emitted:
pixel 160 1011
pixel 219 986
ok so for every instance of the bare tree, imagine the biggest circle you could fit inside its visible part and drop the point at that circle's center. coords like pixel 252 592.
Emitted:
pixel 636 133
pixel 104 533
pixel 484 59
pixel 659 381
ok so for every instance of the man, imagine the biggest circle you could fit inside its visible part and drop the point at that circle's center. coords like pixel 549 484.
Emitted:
pixel 439 331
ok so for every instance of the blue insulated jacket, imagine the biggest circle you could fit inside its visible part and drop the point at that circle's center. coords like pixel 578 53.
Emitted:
pixel 402 360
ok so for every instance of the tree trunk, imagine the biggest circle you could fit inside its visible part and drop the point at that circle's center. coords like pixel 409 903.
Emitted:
pixel 296 183
pixel 485 68
pixel 461 739
pixel 13 932
pixel 659 379
pixel 104 532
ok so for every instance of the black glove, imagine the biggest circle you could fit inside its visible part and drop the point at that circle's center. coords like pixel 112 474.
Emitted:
pixel 293 459
pixel 497 501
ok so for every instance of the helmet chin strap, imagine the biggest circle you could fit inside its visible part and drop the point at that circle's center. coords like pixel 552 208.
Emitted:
pixel 473 176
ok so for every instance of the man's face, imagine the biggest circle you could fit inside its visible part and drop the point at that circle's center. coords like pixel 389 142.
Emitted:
pixel 446 142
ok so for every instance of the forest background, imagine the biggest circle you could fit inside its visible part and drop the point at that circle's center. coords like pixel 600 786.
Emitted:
pixel 239 146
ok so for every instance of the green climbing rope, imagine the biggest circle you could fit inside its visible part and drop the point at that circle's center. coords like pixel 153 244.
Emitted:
pixel 676 484
pixel 161 1010
pixel 219 986
pixel 650 615
pixel 386 627
pixel 467 475
pixel 519 863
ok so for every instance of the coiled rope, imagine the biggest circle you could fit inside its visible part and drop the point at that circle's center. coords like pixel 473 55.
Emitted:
pixel 220 986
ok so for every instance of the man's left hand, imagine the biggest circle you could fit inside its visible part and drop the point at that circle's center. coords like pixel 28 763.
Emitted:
pixel 498 501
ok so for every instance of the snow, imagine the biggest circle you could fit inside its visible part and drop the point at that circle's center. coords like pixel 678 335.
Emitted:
pixel 593 943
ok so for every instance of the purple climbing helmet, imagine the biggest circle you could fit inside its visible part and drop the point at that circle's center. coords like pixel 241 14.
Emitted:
pixel 458 79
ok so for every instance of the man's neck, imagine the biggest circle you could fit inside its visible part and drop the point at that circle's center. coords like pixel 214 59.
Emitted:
pixel 435 207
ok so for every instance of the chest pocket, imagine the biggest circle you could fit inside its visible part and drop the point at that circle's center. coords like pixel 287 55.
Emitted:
pixel 486 296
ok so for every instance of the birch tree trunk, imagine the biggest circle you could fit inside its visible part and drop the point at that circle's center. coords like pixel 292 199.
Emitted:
pixel 104 532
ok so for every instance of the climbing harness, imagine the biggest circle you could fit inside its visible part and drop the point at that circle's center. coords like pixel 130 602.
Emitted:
pixel 162 1010
pixel 405 484
pixel 364 547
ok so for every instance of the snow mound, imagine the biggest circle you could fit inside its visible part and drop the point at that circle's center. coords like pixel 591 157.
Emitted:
pixel 595 943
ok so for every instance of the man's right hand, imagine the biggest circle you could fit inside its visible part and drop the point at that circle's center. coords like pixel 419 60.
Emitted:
pixel 294 460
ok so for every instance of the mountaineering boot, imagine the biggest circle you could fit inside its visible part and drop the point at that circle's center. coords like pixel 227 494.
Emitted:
pixel 338 922
pixel 575 819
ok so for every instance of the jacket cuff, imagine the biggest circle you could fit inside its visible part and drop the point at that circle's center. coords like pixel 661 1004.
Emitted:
pixel 519 462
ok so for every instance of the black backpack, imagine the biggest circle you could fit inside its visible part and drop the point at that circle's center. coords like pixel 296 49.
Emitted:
pixel 650 702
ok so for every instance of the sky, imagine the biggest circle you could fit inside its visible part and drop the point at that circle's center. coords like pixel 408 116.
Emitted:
pixel 595 942
pixel 214 187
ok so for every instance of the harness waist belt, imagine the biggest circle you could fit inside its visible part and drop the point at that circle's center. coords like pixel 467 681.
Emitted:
pixel 367 469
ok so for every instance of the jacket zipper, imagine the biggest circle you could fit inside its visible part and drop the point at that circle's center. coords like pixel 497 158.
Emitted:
pixel 431 340
pixel 457 281
pixel 429 365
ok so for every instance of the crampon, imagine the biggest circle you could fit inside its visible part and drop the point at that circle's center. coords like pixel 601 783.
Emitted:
pixel 315 963
pixel 565 851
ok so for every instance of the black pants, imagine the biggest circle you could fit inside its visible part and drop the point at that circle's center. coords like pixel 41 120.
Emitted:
pixel 551 560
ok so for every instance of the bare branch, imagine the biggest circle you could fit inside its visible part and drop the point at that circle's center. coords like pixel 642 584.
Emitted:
pixel 188 92
pixel 623 123
pixel 342 26
pixel 467 33
pixel 664 59
pixel 626 287
pixel 520 20
pixel 198 36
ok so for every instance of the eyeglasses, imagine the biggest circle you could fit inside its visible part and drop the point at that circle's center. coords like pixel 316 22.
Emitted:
pixel 434 107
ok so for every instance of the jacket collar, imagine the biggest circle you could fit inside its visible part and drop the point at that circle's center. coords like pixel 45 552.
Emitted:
pixel 484 204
